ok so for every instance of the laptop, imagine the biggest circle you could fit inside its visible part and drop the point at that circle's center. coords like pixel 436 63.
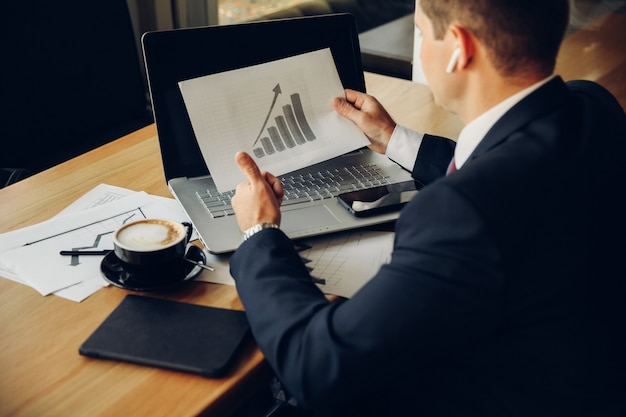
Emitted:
pixel 176 55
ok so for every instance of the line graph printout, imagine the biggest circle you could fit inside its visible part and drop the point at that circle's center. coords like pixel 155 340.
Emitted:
pixel 33 252
pixel 341 264
pixel 280 112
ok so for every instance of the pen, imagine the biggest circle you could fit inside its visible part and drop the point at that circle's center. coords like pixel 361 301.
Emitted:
pixel 105 252
pixel 83 252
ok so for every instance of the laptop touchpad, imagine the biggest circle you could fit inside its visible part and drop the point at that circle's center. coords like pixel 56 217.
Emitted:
pixel 307 218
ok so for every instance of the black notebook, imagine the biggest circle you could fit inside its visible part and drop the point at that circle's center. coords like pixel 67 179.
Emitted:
pixel 169 334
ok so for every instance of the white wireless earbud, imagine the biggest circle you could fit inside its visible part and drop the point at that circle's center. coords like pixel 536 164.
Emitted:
pixel 453 60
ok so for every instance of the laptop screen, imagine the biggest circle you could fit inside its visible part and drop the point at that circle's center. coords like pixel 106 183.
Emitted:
pixel 178 55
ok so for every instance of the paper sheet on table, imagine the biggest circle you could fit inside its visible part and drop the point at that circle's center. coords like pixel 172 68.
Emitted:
pixel 221 273
pixel 35 255
pixel 100 195
pixel 341 264
pixel 95 197
pixel 280 112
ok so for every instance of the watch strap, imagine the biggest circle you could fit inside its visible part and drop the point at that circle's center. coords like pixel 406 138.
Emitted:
pixel 249 232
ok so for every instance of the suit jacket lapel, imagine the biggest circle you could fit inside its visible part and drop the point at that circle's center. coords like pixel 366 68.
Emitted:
pixel 541 102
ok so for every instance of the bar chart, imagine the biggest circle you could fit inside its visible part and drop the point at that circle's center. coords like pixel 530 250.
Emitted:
pixel 290 128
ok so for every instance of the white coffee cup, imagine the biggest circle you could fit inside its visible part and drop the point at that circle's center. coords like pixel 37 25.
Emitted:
pixel 151 242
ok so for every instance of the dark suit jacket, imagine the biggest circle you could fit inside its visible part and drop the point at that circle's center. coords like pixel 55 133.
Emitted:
pixel 504 294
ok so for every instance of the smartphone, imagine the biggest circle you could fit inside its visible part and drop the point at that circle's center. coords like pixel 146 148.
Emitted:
pixel 377 200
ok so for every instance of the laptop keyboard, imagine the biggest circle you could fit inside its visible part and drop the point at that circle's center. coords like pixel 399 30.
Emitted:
pixel 305 188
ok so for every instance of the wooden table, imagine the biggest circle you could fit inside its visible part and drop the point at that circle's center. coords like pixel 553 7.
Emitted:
pixel 41 372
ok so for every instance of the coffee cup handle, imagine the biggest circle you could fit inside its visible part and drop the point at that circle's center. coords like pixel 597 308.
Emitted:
pixel 189 227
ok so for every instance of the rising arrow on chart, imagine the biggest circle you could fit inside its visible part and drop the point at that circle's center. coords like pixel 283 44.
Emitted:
pixel 276 91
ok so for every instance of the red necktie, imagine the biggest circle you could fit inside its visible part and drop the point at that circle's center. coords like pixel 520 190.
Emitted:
pixel 451 167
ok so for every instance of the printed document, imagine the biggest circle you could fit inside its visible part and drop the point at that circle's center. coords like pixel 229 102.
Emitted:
pixel 31 255
pixel 280 112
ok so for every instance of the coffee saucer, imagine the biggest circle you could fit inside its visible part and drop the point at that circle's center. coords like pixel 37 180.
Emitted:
pixel 156 279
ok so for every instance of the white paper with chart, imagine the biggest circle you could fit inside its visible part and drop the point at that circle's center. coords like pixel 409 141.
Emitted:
pixel 342 263
pixel 31 255
pixel 280 112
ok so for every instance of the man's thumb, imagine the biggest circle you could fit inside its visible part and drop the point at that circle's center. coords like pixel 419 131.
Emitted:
pixel 342 106
pixel 247 166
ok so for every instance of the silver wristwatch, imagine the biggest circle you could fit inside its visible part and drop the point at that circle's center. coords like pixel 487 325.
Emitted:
pixel 257 228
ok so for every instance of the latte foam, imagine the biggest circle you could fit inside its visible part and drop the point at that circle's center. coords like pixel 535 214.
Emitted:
pixel 149 235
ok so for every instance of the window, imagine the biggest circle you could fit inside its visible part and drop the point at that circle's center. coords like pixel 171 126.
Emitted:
pixel 233 11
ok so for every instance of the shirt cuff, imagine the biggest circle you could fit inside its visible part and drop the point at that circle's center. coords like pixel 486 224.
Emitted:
pixel 404 146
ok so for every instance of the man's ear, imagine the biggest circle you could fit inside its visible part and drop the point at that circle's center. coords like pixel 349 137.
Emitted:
pixel 464 48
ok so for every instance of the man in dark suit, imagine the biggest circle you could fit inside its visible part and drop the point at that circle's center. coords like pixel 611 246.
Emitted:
pixel 505 292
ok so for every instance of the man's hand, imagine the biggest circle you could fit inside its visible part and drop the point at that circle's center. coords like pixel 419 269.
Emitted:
pixel 369 115
pixel 257 198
